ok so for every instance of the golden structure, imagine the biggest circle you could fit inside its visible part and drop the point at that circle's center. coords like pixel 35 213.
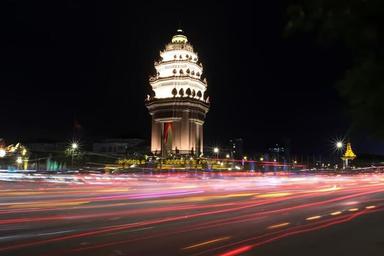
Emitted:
pixel 348 155
pixel 17 152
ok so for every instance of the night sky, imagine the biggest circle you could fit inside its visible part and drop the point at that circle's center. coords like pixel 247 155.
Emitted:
pixel 90 61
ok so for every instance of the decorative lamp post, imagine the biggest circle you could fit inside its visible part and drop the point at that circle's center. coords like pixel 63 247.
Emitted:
pixel 339 145
pixel 73 149
pixel 216 151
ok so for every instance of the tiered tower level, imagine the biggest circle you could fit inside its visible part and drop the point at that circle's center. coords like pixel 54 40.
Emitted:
pixel 179 102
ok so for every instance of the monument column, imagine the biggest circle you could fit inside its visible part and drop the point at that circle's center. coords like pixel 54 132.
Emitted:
pixel 177 103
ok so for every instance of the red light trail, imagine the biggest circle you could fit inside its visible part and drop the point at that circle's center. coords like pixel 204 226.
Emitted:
pixel 178 214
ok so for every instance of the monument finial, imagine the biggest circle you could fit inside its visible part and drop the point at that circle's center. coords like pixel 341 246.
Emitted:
pixel 179 37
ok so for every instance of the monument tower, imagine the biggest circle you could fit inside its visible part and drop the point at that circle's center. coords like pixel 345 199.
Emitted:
pixel 348 155
pixel 178 103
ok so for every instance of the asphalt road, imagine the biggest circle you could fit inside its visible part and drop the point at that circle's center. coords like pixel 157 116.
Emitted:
pixel 183 214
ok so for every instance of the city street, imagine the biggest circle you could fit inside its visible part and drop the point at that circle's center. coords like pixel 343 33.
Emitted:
pixel 190 214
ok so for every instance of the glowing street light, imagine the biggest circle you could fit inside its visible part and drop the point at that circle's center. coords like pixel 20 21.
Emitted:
pixel 216 151
pixel 74 146
pixel 261 159
pixel 73 149
pixel 339 145
pixel 227 156
pixel 2 152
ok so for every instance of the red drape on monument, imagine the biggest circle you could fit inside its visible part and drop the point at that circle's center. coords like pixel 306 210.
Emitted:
pixel 167 131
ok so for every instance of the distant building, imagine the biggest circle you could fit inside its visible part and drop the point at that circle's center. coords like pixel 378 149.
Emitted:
pixel 47 147
pixel 277 149
pixel 278 152
pixel 236 147
pixel 116 146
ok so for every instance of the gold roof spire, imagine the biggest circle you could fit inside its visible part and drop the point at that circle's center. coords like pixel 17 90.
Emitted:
pixel 349 153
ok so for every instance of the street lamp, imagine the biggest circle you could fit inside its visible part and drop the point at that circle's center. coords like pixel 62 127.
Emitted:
pixel 339 145
pixel 2 152
pixel 216 150
pixel 74 146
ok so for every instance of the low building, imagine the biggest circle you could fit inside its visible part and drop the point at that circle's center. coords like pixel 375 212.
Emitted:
pixel 116 146
pixel 47 147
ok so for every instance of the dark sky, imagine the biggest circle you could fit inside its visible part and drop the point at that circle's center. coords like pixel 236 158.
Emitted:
pixel 90 61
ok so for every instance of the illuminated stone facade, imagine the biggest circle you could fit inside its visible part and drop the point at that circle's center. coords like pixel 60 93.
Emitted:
pixel 178 103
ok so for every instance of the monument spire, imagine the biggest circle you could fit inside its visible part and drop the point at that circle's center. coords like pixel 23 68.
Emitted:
pixel 348 155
